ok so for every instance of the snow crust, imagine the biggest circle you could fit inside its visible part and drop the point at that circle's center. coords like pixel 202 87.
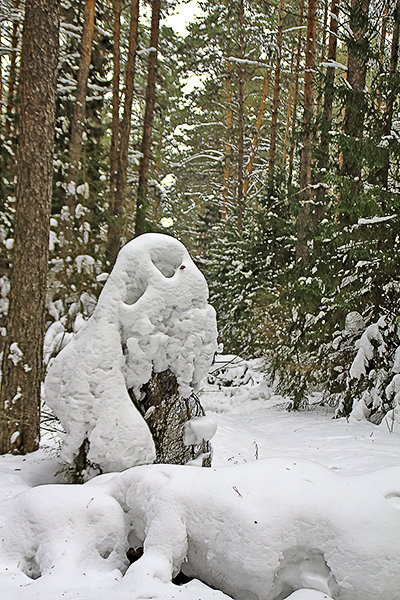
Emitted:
pixel 152 314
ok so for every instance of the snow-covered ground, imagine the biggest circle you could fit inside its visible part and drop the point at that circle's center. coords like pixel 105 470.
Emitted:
pixel 296 505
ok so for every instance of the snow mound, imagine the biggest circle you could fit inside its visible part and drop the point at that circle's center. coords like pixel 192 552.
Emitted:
pixel 152 315
pixel 267 530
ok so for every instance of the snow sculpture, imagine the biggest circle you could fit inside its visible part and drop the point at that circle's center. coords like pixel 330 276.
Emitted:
pixel 152 320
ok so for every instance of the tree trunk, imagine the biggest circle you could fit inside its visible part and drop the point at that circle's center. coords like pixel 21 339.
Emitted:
pixel 256 137
pixel 305 194
pixel 383 173
pixel 166 413
pixel 275 99
pixel 119 196
pixel 22 357
pixel 228 144
pixel 240 117
pixel 144 166
pixel 295 94
pixel 79 114
pixel 382 44
pixel 115 102
pixel 12 76
pixel 326 119
pixel 355 104
pixel 288 111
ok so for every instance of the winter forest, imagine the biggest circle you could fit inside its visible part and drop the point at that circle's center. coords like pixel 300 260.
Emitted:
pixel 199 299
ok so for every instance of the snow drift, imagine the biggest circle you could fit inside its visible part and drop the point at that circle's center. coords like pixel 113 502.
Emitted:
pixel 258 531
pixel 152 315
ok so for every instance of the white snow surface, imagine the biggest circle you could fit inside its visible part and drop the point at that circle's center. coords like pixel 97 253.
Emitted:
pixel 296 506
pixel 152 314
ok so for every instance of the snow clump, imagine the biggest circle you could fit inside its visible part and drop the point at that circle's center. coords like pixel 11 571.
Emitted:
pixel 151 316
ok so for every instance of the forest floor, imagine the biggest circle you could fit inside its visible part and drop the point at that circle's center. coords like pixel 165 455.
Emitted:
pixel 52 548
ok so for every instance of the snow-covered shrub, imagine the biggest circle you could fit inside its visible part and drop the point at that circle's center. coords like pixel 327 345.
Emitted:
pixel 152 317
pixel 233 379
pixel 365 360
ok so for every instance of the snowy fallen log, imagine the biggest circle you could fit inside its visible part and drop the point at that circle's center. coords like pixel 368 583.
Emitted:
pixel 152 317
pixel 258 531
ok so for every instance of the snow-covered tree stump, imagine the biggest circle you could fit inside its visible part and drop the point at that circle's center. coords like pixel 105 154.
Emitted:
pixel 168 415
pixel 123 387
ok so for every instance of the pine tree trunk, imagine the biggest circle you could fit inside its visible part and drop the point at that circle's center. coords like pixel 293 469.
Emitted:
pixel 288 111
pixel 326 118
pixel 115 102
pixel 240 117
pixel 22 358
pixel 119 196
pixel 383 173
pixel 144 166
pixel 382 44
pixel 305 194
pixel 355 103
pixel 275 99
pixel 256 137
pixel 228 144
pixel 12 76
pixel 79 114
pixel 295 94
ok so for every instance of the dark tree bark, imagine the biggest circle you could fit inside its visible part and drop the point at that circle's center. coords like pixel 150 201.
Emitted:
pixel 305 194
pixel 79 114
pixel 12 75
pixel 144 166
pixel 166 413
pixel 119 193
pixel 383 173
pixel 22 358
pixel 355 104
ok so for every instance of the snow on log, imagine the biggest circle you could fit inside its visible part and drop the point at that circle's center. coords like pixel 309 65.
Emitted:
pixel 258 531
pixel 152 316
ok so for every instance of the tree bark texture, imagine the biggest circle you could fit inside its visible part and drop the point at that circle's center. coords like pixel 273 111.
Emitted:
pixel 115 100
pixel 166 413
pixel 119 193
pixel 79 114
pixel 355 106
pixel 144 166
pixel 295 94
pixel 22 358
pixel 305 194
pixel 12 76
pixel 254 145
pixel 288 111
pixel 394 89
pixel 240 117
pixel 326 119
pixel 228 143
pixel 275 99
